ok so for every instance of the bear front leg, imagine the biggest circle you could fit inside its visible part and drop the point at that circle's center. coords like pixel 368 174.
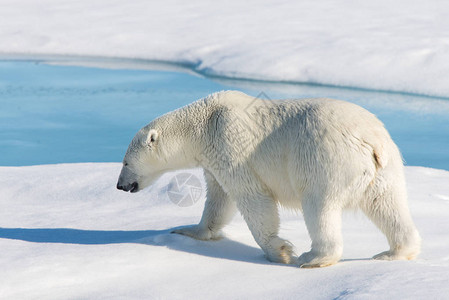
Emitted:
pixel 261 215
pixel 218 211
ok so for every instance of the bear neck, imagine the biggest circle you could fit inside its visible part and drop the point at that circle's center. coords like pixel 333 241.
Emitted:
pixel 184 134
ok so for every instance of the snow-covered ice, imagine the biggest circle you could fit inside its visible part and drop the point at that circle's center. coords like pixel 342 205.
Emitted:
pixel 67 233
pixel 390 45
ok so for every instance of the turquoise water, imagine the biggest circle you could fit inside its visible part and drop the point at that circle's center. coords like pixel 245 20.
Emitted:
pixel 62 114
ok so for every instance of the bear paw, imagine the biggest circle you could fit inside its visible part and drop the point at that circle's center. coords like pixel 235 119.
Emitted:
pixel 393 255
pixel 280 251
pixel 314 260
pixel 198 233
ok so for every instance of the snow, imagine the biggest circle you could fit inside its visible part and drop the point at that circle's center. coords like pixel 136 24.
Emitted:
pixel 388 45
pixel 66 232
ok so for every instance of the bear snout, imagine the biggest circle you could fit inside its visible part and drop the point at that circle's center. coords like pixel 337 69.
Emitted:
pixel 131 187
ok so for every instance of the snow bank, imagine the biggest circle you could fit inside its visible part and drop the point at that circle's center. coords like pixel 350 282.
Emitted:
pixel 66 232
pixel 390 45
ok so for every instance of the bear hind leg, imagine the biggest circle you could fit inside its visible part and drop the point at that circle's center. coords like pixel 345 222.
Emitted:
pixel 390 213
pixel 324 227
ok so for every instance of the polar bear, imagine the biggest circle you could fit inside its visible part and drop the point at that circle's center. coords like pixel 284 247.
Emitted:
pixel 319 156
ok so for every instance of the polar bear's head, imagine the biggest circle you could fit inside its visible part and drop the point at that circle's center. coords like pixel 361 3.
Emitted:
pixel 142 163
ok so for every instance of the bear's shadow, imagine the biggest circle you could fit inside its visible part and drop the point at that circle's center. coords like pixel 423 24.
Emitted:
pixel 224 248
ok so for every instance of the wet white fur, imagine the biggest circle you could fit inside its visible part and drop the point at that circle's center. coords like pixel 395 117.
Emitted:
pixel 319 156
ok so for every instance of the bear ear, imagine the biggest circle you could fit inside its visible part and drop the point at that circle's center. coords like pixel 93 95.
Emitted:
pixel 152 137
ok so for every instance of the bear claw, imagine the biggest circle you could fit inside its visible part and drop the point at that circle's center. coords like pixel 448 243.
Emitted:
pixel 309 260
pixel 198 233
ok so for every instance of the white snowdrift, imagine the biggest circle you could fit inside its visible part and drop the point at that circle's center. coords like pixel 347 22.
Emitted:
pixel 67 233
pixel 390 45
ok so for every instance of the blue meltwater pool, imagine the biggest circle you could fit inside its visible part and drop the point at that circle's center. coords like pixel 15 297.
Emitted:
pixel 63 114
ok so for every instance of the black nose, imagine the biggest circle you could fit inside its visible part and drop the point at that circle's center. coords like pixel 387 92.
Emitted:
pixel 132 187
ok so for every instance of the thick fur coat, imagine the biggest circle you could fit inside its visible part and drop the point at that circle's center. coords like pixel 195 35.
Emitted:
pixel 318 156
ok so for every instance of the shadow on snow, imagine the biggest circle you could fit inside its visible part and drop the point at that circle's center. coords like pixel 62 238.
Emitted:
pixel 224 249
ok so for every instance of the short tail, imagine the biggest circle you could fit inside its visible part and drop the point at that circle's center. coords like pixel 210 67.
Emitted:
pixel 380 157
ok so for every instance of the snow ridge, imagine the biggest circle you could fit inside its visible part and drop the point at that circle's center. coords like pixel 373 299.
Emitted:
pixel 398 46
